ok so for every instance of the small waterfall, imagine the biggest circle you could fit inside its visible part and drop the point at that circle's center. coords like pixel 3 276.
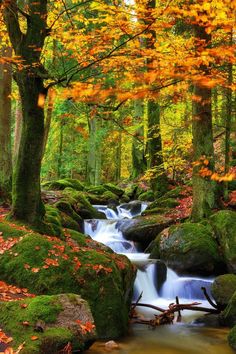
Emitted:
pixel 107 232
pixel 184 287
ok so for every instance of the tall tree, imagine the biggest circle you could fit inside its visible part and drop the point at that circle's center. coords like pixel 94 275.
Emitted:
pixel 155 161
pixel 5 125
pixel 26 196
pixel 204 189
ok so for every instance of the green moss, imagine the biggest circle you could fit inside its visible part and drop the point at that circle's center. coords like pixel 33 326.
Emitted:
pixel 64 206
pixel 98 190
pixel 146 196
pixel 94 274
pixel 224 225
pixel 43 309
pixel 68 222
pixel 8 230
pixel 77 236
pixel 232 338
pixel 188 247
pixel 155 211
pixel 63 183
pixel 223 288
pixel 228 316
pixel 114 189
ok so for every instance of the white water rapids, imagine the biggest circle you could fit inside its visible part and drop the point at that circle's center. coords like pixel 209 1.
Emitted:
pixel 188 289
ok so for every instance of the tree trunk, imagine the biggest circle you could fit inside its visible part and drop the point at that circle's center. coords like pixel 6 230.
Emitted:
pixel 27 205
pixel 158 177
pixel 17 131
pixel 94 153
pixel 5 127
pixel 138 152
pixel 228 121
pixel 118 157
pixel 204 189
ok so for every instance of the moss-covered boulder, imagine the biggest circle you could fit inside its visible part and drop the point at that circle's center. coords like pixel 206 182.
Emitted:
pixel 224 225
pixel 146 196
pixel 232 338
pixel 114 189
pixel 103 199
pixel 163 202
pixel 156 211
pixel 97 190
pixel 81 205
pixel 64 183
pixel 188 248
pixel 223 289
pixel 130 190
pixel 48 265
pixel 228 316
pixel 46 324
pixel 144 229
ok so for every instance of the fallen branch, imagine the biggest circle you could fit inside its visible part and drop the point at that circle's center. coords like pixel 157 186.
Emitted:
pixel 208 298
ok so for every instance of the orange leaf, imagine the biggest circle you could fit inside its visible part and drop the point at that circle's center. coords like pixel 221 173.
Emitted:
pixel 34 337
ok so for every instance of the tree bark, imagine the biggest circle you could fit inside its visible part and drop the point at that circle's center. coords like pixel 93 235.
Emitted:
pixel 158 178
pixel 5 127
pixel 27 205
pixel 204 189
pixel 138 149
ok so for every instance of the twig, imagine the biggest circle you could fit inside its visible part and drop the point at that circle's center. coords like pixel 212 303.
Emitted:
pixel 208 298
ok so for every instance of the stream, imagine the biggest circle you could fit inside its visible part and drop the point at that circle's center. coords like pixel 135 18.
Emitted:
pixel 179 338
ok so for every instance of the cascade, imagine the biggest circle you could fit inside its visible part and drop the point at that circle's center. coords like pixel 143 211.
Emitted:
pixel 107 232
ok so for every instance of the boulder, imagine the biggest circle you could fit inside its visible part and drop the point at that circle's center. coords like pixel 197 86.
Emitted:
pixel 224 225
pixel 188 248
pixel 64 183
pixel 81 205
pixel 144 229
pixel 114 189
pixel 228 316
pixel 232 338
pixel 47 324
pixel 223 289
pixel 79 265
pixel 146 196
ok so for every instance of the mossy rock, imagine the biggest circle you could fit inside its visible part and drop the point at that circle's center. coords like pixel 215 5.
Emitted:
pixel 146 196
pixel 12 230
pixel 144 229
pixel 48 265
pixel 224 225
pixel 173 193
pixel 130 191
pixel 69 223
pixel 52 222
pixel 51 319
pixel 114 189
pixel 188 248
pixel 228 316
pixel 232 338
pixel 64 183
pixel 163 203
pixel 65 207
pixel 81 205
pixel 156 211
pixel 97 190
pixel 223 289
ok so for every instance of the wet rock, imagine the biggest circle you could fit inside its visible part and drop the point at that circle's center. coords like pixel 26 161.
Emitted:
pixel 223 289
pixel 144 229
pixel 224 225
pixel 60 318
pixel 228 316
pixel 188 248
pixel 232 338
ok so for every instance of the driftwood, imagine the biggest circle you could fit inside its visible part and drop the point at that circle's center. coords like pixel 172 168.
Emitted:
pixel 167 316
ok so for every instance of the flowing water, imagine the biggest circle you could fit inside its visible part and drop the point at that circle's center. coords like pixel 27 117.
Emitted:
pixel 180 338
